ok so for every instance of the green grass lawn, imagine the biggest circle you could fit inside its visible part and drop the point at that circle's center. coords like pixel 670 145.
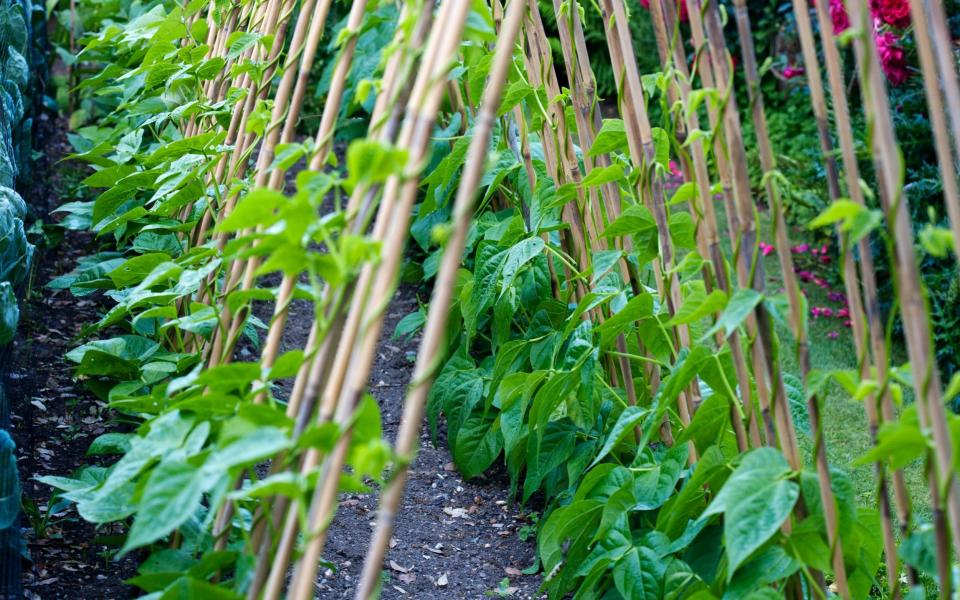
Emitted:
pixel 844 419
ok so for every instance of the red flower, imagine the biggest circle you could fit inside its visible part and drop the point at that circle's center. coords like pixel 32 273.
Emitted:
pixel 838 14
pixel 681 8
pixel 791 72
pixel 892 58
pixel 895 13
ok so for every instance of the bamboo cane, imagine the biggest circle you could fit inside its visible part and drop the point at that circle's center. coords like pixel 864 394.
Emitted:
pixel 855 303
pixel 430 353
pixel 425 101
pixel 913 305
pixel 331 111
pixel 938 119
pixel 946 65
pixel 776 415
pixel 605 206
pixel 313 373
pixel 792 291
pixel 286 112
pixel 338 369
pixel 643 152
pixel 664 19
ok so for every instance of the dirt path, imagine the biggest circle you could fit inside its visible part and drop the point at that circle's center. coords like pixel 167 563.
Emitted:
pixel 55 418
pixel 453 539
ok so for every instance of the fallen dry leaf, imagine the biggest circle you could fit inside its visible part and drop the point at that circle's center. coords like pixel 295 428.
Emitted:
pixel 438 549
pixel 442 580
pixel 513 572
pixel 455 512
pixel 407 577
pixel 396 567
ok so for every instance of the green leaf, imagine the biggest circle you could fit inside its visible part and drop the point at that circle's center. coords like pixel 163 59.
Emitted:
pixel 259 444
pixel 698 305
pixel 739 307
pixel 683 230
pixel 478 444
pixel 611 138
pixel 171 496
pixel 755 501
pixel 900 443
pixel 603 175
pixel 518 256
pixel 635 220
pixel 256 208
pixel 639 575
pixel 110 443
pixel 628 419
pixel 370 162
pixel 134 270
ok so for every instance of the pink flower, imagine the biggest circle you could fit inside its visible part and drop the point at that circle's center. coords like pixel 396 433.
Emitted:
pixel 824 259
pixel 838 14
pixel 848 323
pixel 836 297
pixel 766 249
pixel 675 169
pixel 833 335
pixel 806 276
pixel 892 58
pixel 815 311
pixel 843 313
pixel 826 311
pixel 681 5
pixel 895 13
pixel 800 249
pixel 791 72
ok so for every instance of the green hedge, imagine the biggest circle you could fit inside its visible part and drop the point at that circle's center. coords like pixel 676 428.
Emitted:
pixel 21 58
pixel 21 68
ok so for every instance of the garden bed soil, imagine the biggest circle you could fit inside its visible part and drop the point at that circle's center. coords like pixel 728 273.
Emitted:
pixel 453 538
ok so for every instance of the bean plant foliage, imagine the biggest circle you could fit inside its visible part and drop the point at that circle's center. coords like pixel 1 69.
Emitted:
pixel 637 503
pixel 627 515
pixel 196 429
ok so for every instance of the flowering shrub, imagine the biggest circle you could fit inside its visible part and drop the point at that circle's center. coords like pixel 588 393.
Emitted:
pixel 892 58
pixel 841 21
pixel 895 13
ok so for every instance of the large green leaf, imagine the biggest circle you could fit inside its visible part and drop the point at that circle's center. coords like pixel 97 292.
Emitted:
pixel 171 496
pixel 755 501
